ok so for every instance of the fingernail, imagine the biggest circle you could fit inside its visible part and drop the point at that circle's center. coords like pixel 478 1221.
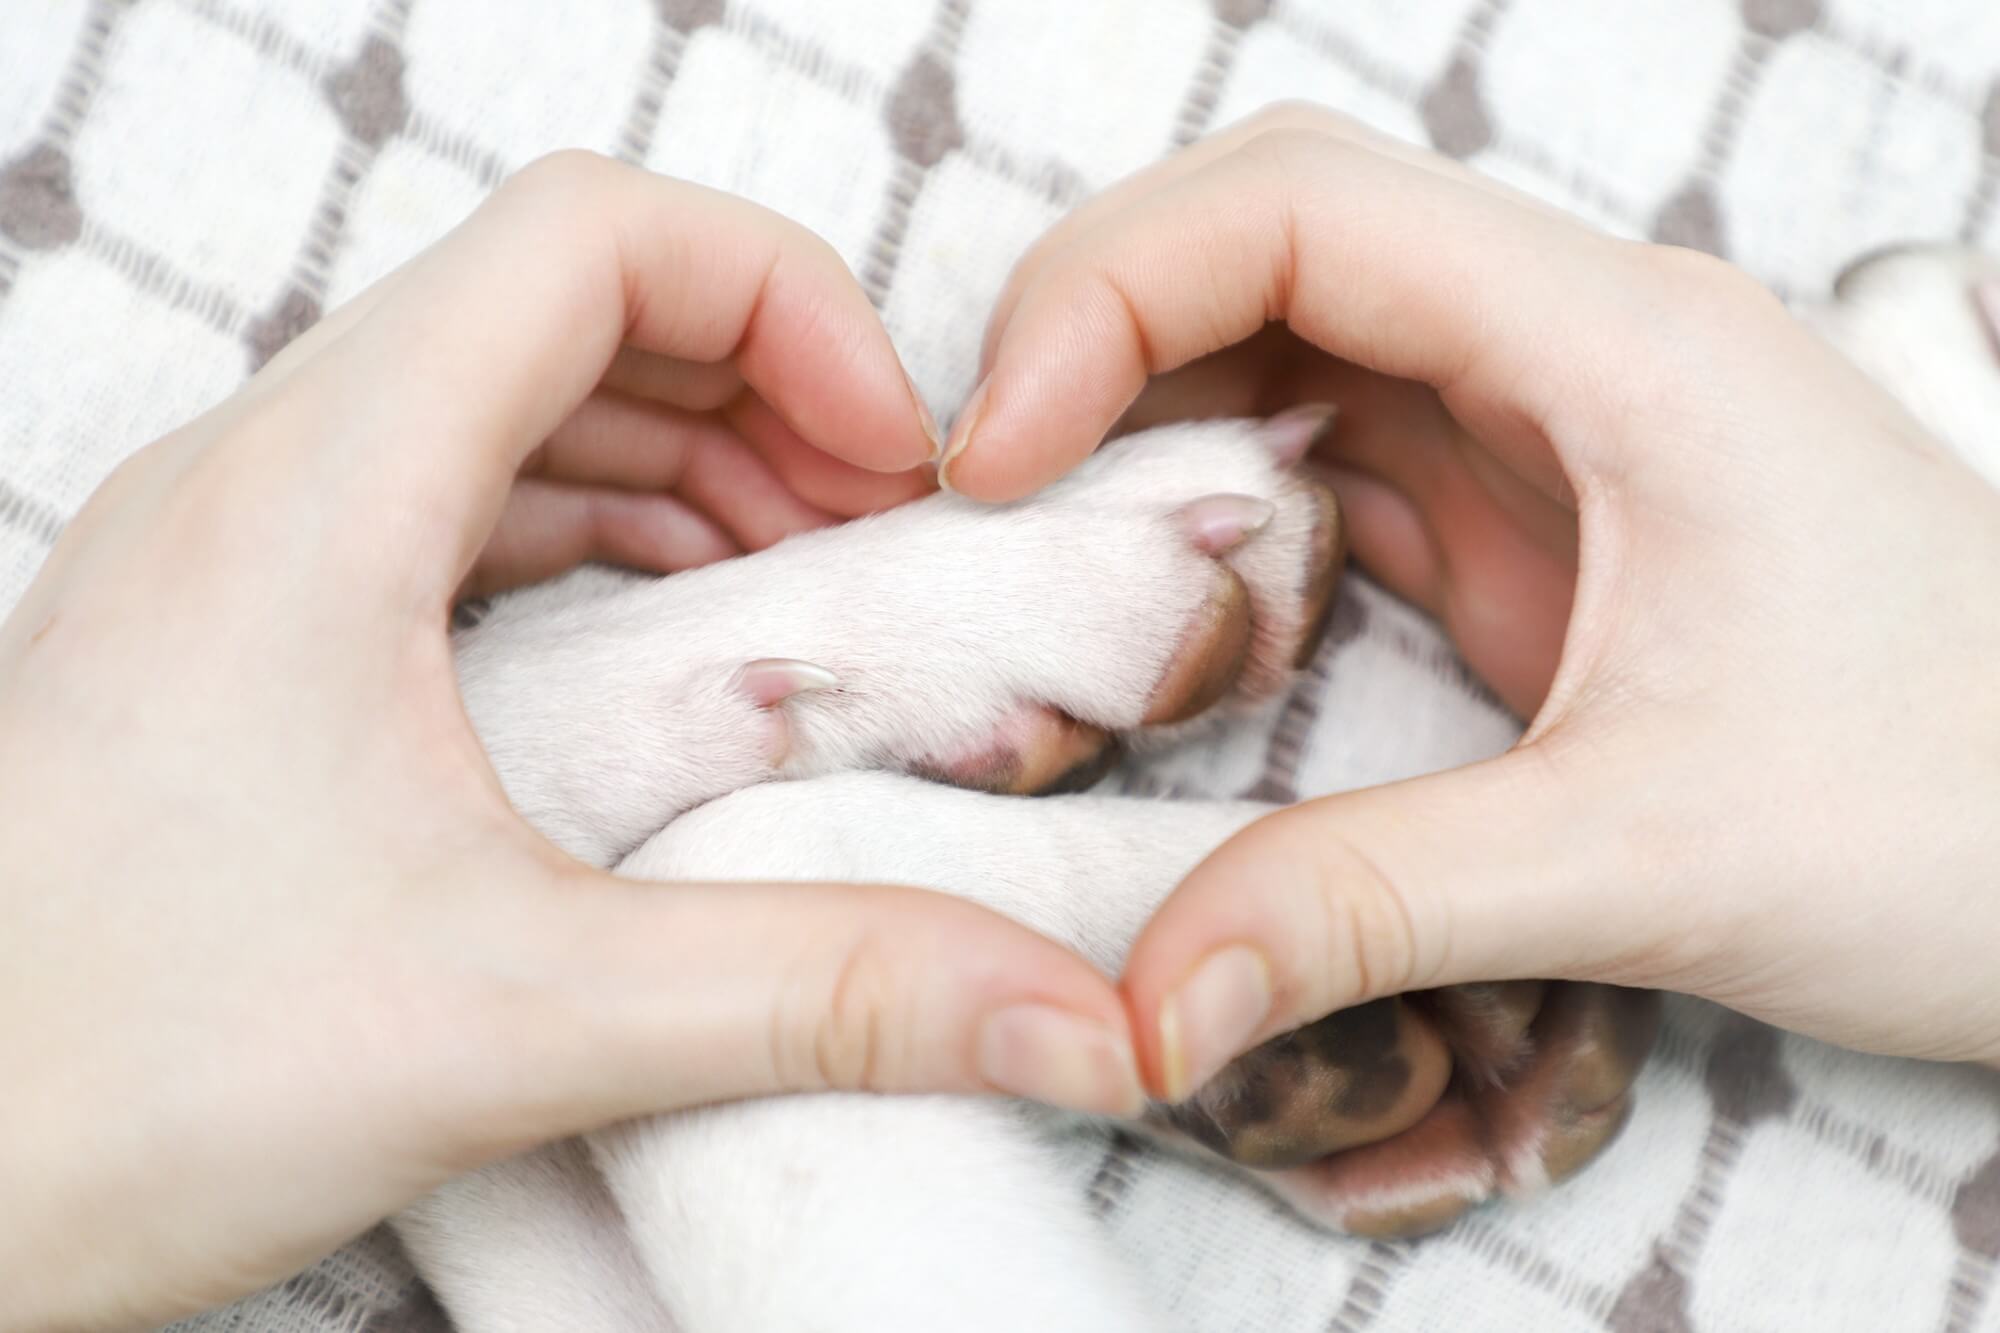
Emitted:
pixel 1048 1055
pixel 961 433
pixel 1218 523
pixel 1297 431
pixel 1211 1017
pixel 769 681
pixel 925 419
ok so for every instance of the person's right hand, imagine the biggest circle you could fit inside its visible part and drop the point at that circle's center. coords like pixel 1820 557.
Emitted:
pixel 1752 608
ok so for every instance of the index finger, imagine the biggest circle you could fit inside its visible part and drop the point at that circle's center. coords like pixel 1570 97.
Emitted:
pixel 1374 258
pixel 1282 115
pixel 472 356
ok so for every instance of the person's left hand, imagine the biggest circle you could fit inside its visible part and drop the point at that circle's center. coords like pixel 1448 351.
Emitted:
pixel 276 955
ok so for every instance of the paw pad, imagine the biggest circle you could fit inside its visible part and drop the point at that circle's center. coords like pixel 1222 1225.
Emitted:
pixel 1393 1118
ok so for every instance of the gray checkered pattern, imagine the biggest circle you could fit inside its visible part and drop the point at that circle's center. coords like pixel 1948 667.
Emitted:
pixel 186 184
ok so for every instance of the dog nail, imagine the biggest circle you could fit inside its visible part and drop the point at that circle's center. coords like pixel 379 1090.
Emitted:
pixel 1051 1056
pixel 1210 1018
pixel 1219 523
pixel 1297 431
pixel 769 681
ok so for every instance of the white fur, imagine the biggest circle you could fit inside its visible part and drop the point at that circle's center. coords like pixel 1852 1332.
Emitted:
pixel 847 1211
pixel 918 1213
pixel 607 705
pixel 530 1245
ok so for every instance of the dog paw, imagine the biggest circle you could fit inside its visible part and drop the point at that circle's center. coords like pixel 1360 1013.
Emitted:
pixel 1006 649
pixel 1174 576
pixel 1394 1117
pixel 1388 1119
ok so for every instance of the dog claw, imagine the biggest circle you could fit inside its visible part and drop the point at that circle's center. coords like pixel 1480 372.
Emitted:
pixel 1219 523
pixel 769 681
pixel 1292 434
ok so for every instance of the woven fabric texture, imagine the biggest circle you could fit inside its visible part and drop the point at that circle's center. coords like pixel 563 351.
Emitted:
pixel 187 184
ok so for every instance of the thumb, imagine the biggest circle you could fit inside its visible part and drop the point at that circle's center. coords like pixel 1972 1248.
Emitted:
pixel 660 996
pixel 1496 871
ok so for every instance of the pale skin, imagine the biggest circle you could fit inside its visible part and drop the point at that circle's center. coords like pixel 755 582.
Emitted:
pixel 276 957
pixel 1748 604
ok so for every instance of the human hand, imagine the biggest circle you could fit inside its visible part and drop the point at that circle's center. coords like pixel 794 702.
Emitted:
pixel 275 954
pixel 673 462
pixel 1747 602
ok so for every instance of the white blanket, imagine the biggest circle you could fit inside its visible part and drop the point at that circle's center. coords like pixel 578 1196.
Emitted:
pixel 184 184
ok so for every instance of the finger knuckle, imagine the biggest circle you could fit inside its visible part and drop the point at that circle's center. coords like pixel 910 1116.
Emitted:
pixel 1365 921
pixel 848 1039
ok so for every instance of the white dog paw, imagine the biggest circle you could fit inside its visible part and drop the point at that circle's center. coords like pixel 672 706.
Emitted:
pixel 1004 648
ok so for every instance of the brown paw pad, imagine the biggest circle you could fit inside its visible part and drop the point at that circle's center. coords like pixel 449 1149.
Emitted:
pixel 1329 555
pixel 1213 652
pixel 1352 1078
pixel 1432 1105
pixel 1267 559
pixel 1253 632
